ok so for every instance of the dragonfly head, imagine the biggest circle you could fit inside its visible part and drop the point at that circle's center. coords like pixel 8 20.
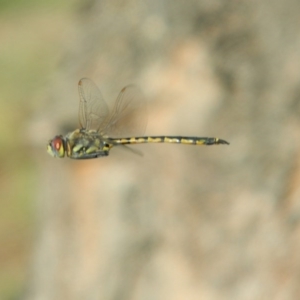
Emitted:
pixel 56 147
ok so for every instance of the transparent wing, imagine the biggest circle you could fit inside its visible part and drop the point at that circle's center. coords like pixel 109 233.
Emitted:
pixel 92 108
pixel 129 115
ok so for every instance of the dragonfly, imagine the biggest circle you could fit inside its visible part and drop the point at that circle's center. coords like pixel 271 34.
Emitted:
pixel 101 130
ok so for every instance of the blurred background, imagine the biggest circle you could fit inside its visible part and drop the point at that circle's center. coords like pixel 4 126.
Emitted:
pixel 181 222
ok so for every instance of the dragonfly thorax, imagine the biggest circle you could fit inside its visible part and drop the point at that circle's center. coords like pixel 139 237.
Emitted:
pixel 84 144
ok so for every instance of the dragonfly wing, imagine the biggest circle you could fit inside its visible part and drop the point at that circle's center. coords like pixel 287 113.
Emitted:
pixel 129 115
pixel 92 108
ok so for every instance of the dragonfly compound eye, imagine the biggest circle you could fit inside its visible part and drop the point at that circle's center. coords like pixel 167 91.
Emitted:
pixel 56 147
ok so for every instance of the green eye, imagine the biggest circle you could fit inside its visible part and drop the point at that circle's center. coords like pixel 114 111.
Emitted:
pixel 56 147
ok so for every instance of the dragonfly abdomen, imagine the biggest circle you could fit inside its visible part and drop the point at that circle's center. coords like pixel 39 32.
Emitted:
pixel 171 139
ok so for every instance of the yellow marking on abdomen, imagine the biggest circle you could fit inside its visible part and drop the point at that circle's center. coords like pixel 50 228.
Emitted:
pixel 141 140
pixel 122 141
pixel 171 140
pixel 138 140
pixel 107 147
pixel 134 140
pixel 154 140
pixel 187 141
pixel 131 140
pixel 200 142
